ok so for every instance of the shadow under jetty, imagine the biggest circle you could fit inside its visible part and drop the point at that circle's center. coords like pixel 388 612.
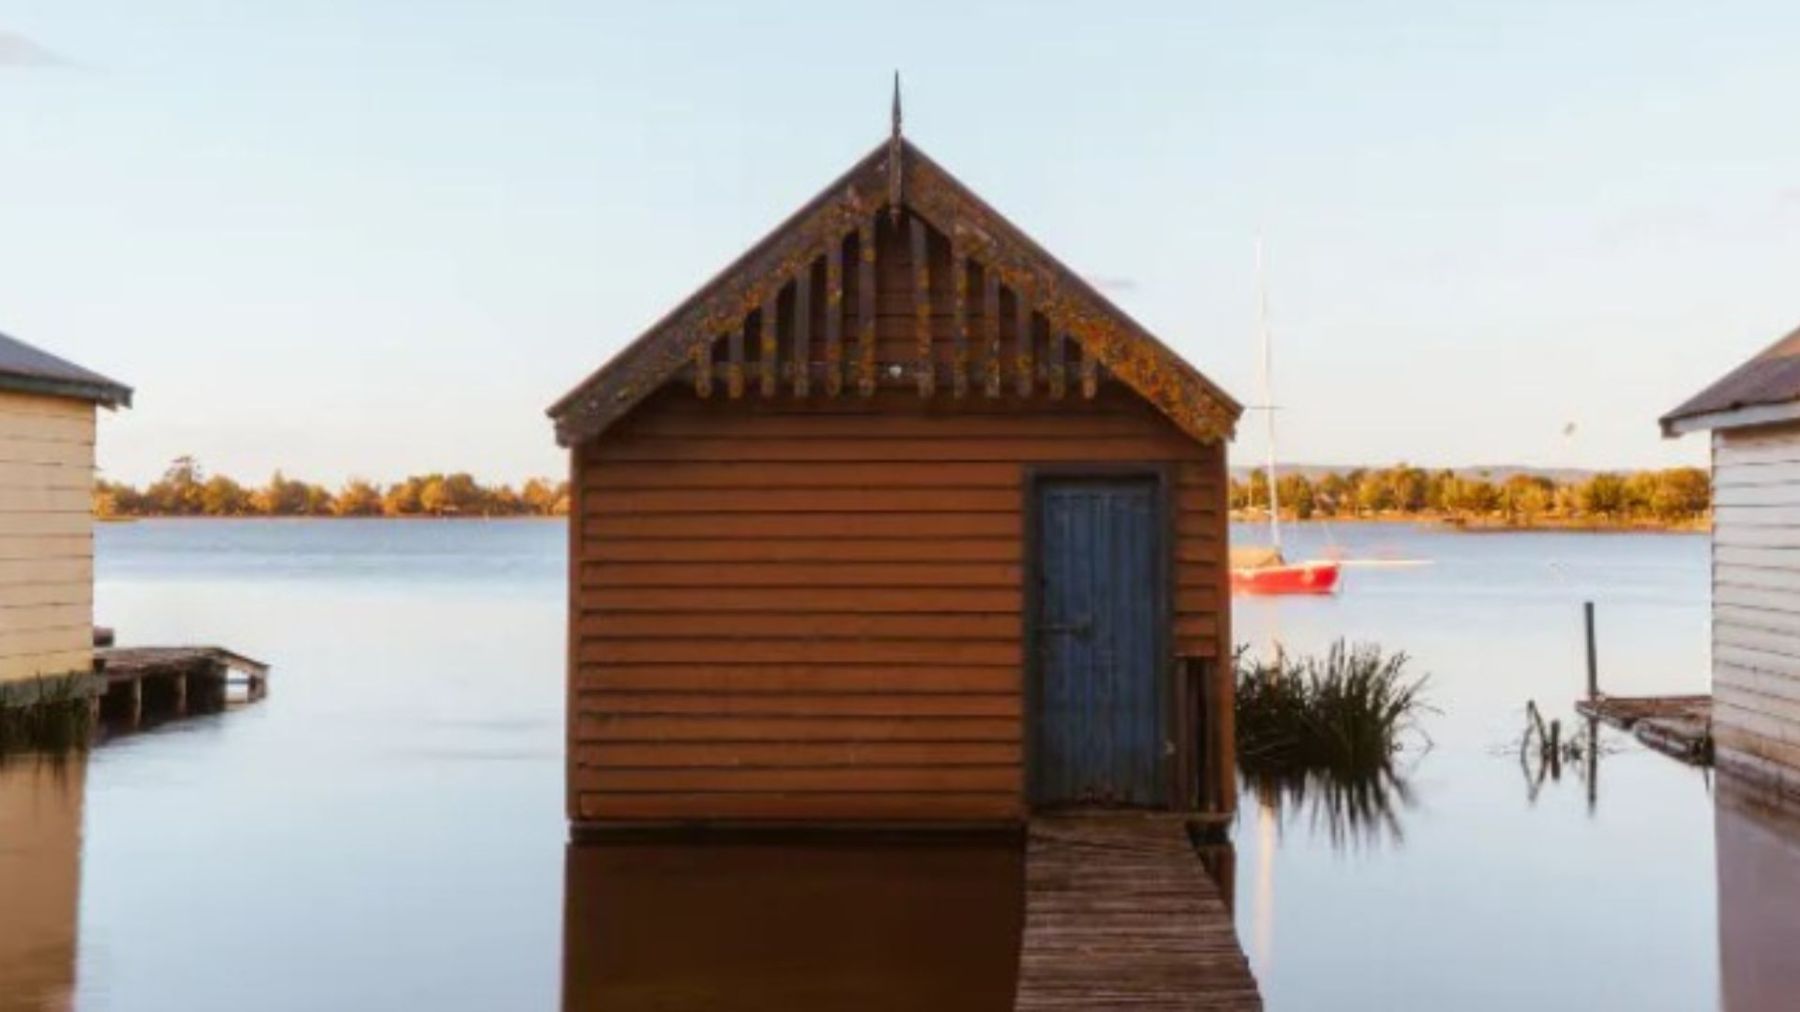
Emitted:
pixel 792 926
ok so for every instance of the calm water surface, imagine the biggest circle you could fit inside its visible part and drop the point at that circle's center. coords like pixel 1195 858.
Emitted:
pixel 386 829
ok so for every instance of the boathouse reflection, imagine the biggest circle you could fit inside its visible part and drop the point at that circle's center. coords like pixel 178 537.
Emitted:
pixel 792 925
pixel 1758 845
pixel 40 879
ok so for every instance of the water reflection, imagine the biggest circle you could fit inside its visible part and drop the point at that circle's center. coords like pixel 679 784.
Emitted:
pixel 792 926
pixel 1758 841
pixel 1544 757
pixel 1218 858
pixel 40 879
pixel 1348 807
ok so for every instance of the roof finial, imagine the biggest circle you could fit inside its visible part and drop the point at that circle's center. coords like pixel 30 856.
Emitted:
pixel 893 159
pixel 896 103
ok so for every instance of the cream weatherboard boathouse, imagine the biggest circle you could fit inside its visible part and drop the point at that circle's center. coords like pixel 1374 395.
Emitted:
pixel 47 409
pixel 1753 415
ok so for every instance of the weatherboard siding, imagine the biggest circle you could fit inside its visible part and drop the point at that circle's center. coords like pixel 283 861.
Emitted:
pixel 814 609
pixel 1756 600
pixel 46 536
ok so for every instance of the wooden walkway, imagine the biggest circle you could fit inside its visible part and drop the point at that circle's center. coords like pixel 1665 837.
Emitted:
pixel 135 682
pixel 1679 726
pixel 1119 913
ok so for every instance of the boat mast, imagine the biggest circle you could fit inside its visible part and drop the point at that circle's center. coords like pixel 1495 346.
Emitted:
pixel 1268 406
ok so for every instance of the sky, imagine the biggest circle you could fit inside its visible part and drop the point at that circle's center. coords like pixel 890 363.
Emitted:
pixel 374 238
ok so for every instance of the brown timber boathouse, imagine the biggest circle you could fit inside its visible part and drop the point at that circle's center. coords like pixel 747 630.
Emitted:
pixel 896 521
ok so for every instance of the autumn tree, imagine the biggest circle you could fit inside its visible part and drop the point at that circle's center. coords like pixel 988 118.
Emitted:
pixel 1602 495
pixel 539 496
pixel 1682 493
pixel 358 498
pixel 1296 495
pixel 222 497
pixel 178 491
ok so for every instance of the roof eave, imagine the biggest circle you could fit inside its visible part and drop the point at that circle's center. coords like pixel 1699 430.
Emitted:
pixel 109 395
pixel 831 191
pixel 1735 417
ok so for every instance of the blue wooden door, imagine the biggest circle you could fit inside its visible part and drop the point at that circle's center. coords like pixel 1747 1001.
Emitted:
pixel 1099 731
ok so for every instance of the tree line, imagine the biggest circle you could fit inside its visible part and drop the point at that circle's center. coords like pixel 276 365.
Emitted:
pixel 1680 495
pixel 186 490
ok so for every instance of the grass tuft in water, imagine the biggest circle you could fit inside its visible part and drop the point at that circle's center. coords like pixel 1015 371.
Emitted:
pixel 48 715
pixel 1321 734
pixel 1345 711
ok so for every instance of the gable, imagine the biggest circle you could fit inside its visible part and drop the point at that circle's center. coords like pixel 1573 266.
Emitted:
pixel 1017 319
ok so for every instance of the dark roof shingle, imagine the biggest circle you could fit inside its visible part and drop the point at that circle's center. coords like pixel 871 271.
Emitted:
pixel 26 369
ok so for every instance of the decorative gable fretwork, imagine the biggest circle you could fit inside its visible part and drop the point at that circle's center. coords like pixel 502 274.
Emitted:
pixel 909 309
pixel 940 295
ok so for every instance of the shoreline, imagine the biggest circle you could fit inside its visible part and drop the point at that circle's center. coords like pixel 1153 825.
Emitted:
pixel 134 518
pixel 1495 526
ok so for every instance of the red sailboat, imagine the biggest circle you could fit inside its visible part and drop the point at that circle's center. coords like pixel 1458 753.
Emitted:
pixel 1319 576
pixel 1264 570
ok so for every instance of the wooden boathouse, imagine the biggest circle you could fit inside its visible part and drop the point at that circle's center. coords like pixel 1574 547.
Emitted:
pixel 1753 415
pixel 896 521
pixel 47 422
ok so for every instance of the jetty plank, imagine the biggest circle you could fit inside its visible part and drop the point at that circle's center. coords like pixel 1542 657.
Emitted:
pixel 1119 913
pixel 1677 726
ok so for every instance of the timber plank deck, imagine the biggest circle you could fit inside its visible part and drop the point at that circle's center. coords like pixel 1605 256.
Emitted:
pixel 1119 913
pixel 135 683
pixel 123 663
pixel 1678 726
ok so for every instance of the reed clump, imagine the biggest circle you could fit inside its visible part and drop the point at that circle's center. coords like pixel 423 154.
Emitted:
pixel 1345 711
pixel 48 715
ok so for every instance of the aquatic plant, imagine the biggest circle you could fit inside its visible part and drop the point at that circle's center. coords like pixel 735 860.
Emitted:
pixel 48 714
pixel 1322 734
pixel 1347 710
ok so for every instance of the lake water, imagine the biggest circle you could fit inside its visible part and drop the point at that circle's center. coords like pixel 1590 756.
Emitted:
pixel 385 830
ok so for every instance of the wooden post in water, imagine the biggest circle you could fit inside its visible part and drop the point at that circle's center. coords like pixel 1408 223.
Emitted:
pixel 1593 763
pixel 1593 666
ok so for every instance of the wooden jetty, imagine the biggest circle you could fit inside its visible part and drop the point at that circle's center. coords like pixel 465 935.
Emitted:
pixel 171 681
pixel 1679 726
pixel 1120 913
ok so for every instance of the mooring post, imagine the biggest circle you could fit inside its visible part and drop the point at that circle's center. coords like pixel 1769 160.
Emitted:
pixel 1593 763
pixel 1593 686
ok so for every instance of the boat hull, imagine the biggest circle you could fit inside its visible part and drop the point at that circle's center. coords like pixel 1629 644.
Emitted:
pixel 1300 578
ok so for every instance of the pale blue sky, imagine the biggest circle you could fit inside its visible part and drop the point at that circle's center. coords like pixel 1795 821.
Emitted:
pixel 372 238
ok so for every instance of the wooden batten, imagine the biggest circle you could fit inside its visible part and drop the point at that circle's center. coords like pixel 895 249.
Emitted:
pixel 959 319
pixel 1026 365
pixel 990 326
pixel 1058 377
pixel 834 317
pixel 1090 373
pixel 771 349
pixel 924 366
pixel 865 307
pixel 803 331
pixel 734 367
pixel 703 370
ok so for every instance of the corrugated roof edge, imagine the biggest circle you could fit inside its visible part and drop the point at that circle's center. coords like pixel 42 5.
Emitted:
pixel 1769 379
pixel 28 369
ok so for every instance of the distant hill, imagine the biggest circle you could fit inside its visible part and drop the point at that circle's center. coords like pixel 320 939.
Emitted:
pixel 1492 472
